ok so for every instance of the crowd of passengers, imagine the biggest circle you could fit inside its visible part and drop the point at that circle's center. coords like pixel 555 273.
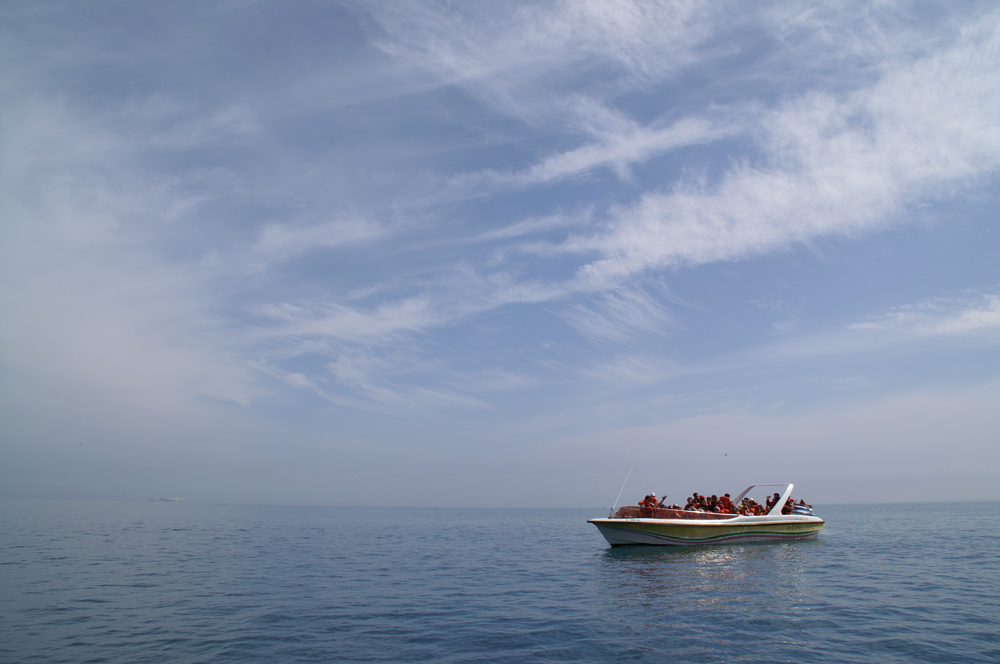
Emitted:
pixel 724 504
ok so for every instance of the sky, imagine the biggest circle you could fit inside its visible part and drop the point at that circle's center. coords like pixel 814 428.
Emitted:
pixel 487 254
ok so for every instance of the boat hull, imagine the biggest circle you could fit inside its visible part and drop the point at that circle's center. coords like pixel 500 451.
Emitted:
pixel 677 532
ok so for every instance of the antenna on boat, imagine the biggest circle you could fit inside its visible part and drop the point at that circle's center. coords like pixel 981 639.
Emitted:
pixel 620 491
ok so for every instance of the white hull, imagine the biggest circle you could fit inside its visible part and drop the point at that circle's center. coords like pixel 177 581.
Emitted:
pixel 687 532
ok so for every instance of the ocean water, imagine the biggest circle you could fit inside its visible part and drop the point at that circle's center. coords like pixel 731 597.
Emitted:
pixel 181 582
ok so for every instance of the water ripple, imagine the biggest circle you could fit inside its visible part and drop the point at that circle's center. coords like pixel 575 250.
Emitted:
pixel 156 582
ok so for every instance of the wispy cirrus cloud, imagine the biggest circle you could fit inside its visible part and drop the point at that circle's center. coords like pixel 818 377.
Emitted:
pixel 940 317
pixel 283 241
pixel 830 166
pixel 818 164
pixel 347 323
pixel 625 316
pixel 617 149
pixel 904 331
pixel 521 58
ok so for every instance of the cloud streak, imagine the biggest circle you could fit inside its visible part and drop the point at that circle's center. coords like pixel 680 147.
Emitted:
pixel 829 167
pixel 941 318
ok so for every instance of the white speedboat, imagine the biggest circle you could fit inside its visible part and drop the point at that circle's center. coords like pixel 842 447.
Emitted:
pixel 660 526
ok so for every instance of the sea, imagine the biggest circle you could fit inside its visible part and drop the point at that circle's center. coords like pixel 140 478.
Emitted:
pixel 131 582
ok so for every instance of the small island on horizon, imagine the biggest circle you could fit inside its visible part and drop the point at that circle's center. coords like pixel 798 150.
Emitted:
pixel 167 500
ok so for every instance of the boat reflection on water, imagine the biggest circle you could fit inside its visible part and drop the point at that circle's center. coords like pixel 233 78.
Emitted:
pixel 710 597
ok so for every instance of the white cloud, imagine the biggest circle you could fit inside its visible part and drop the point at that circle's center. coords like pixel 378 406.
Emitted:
pixel 940 318
pixel 626 315
pixel 379 384
pixel 518 59
pixel 628 370
pixel 281 241
pixel 834 358
pixel 618 149
pixel 833 167
pixel 345 323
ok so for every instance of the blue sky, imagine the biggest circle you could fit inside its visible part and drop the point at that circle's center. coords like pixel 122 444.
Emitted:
pixel 497 254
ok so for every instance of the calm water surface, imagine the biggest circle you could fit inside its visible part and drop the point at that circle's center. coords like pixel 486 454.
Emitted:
pixel 168 582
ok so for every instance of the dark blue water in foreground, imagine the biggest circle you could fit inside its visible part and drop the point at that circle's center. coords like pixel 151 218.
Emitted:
pixel 162 582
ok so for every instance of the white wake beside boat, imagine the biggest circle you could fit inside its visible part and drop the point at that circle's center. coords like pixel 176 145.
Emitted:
pixel 661 526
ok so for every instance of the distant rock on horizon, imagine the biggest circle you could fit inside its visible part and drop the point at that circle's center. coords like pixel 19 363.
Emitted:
pixel 167 500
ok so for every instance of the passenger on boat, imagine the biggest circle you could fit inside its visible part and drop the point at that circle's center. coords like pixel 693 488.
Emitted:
pixel 648 501
pixel 696 503
pixel 724 505
pixel 750 507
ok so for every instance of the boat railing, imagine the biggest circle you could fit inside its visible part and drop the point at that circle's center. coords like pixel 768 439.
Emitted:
pixel 634 512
